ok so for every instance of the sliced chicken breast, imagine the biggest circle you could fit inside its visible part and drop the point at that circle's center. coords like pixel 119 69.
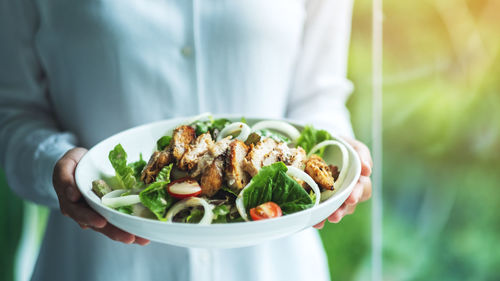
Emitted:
pixel 319 172
pixel 195 151
pixel 236 176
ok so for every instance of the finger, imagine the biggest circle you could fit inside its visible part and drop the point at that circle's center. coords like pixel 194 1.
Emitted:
pixel 64 174
pixel 350 209
pixel 367 189
pixel 83 226
pixel 116 234
pixel 356 193
pixel 338 214
pixel 320 225
pixel 364 156
pixel 82 214
pixel 141 241
pixel 364 153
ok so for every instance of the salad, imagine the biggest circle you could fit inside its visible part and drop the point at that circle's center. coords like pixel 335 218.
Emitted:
pixel 216 171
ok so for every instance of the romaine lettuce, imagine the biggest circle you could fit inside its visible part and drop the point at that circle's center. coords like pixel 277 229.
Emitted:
pixel 124 173
pixel 273 184
pixel 155 197
pixel 163 142
pixel 137 166
pixel 213 126
pixel 309 137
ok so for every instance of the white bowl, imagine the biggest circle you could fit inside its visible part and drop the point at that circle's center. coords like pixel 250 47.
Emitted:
pixel 142 139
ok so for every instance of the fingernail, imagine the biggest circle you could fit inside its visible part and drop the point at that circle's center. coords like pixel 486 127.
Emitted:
pixel 70 194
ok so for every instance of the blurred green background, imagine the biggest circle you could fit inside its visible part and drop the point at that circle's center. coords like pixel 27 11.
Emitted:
pixel 441 147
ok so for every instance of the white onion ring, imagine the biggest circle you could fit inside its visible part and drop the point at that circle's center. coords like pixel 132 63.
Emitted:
pixel 345 162
pixel 192 202
pixel 239 203
pixel 235 127
pixel 281 126
pixel 114 200
pixel 298 173
pixel 191 120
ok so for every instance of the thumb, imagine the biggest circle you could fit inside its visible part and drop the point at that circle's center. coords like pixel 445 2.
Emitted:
pixel 66 167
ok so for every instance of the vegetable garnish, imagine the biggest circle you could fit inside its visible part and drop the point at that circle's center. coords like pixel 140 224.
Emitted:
pixel 223 172
pixel 310 137
pixel 265 211
pixel 299 174
pixel 192 202
pixel 183 188
pixel 235 127
pixel 114 199
pixel 273 184
pixel 280 126
pixel 124 173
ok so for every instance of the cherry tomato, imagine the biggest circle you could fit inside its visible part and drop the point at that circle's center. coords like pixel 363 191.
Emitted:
pixel 265 211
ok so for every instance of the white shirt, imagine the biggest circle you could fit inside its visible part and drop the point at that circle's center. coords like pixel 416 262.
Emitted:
pixel 75 72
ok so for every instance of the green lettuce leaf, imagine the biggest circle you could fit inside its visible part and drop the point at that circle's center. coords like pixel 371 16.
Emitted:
pixel 164 174
pixel 309 137
pixel 124 173
pixel 213 126
pixel 125 209
pixel 163 142
pixel 220 213
pixel 155 197
pixel 137 166
pixel 273 184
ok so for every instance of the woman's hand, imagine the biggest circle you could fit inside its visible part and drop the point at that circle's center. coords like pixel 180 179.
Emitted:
pixel 74 206
pixel 362 191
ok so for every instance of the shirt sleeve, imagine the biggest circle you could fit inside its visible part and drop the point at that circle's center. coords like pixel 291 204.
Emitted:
pixel 30 141
pixel 320 88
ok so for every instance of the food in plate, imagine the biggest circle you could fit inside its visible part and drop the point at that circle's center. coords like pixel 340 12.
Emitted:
pixel 209 170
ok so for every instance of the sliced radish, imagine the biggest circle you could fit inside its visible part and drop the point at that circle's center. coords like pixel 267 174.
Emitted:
pixel 345 162
pixel 114 200
pixel 281 126
pixel 298 173
pixel 183 188
pixel 192 202
pixel 234 128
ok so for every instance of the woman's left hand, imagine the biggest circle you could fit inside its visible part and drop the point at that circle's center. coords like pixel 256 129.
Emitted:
pixel 362 191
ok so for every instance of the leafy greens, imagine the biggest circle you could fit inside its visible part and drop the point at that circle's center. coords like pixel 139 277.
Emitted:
pixel 273 184
pixel 125 174
pixel 309 137
pixel 155 197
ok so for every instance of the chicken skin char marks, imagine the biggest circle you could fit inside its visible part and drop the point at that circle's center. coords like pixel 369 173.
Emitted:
pixel 231 162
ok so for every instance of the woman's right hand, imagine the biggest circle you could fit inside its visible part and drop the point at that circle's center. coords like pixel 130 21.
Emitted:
pixel 74 206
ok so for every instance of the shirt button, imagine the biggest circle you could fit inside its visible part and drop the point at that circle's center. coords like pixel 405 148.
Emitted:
pixel 187 51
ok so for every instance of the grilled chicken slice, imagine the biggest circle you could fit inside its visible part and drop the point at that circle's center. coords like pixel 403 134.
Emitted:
pixel 181 138
pixel 214 150
pixel 195 151
pixel 236 177
pixel 296 158
pixel 212 177
pixel 319 172
pixel 279 153
pixel 158 160
pixel 257 153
